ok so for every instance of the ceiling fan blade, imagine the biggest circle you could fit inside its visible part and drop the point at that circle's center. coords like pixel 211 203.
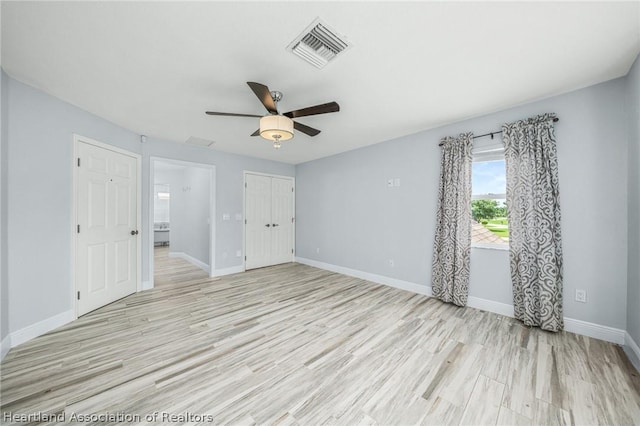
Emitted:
pixel 256 133
pixel 314 110
pixel 263 93
pixel 305 129
pixel 232 114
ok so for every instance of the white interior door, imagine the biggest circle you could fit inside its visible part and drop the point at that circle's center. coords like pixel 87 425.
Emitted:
pixel 281 220
pixel 107 235
pixel 258 221
pixel 269 221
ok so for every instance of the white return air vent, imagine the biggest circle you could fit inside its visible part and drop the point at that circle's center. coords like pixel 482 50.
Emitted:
pixel 199 142
pixel 318 44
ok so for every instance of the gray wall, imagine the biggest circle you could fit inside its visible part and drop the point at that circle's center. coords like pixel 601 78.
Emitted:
pixel 39 196
pixel 196 214
pixel 633 292
pixel 4 162
pixel 345 209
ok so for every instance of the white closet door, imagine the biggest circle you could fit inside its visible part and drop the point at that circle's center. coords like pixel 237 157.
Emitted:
pixel 258 221
pixel 281 220
pixel 107 235
pixel 269 223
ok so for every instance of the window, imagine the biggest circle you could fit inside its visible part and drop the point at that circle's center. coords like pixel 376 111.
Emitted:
pixel 489 226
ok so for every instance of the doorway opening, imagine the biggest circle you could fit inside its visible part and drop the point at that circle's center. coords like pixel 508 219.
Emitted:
pixel 182 214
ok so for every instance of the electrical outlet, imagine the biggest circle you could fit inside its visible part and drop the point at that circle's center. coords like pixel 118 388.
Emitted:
pixel 318 250
pixel 389 183
pixel 392 263
pixel 581 296
pixel 238 216
pixel 238 253
pixel 396 182
pixel 226 216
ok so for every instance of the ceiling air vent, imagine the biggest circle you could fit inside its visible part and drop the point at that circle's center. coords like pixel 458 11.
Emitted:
pixel 318 44
pixel 199 142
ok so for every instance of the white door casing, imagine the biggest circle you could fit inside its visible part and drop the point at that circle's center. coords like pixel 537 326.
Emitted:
pixel 107 234
pixel 269 224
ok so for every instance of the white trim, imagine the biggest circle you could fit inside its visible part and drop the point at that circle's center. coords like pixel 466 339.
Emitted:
pixel 212 220
pixel 491 246
pixel 268 175
pixel 228 271
pixel 147 285
pixel 632 350
pixel 490 306
pixel 200 264
pixel 74 211
pixel 5 345
pixel 584 328
pixel 597 331
pixel 379 279
pixel 41 327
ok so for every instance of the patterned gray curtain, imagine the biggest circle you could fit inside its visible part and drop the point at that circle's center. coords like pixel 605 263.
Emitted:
pixel 452 247
pixel 533 211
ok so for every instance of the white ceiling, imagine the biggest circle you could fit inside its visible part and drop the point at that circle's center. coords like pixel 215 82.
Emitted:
pixel 156 67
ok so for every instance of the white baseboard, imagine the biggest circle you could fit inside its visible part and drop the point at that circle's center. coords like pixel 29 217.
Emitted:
pixel 146 285
pixel 228 271
pixel 41 327
pixel 379 279
pixel 597 331
pixel 5 345
pixel 190 259
pixel 632 350
pixel 490 306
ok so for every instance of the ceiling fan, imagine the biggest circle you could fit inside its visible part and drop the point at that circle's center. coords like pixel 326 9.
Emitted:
pixel 278 127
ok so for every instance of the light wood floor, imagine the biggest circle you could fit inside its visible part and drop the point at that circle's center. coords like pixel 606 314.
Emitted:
pixel 292 344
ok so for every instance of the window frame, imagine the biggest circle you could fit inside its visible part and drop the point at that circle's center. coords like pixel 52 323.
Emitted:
pixel 483 153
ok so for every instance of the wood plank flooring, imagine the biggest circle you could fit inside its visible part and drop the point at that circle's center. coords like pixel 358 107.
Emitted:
pixel 292 344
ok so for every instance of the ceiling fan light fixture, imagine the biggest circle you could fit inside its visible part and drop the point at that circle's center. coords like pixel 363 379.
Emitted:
pixel 276 128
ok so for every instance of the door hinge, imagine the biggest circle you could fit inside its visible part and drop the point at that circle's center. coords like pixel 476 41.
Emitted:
pixel 245 221
pixel 245 258
pixel 291 189
pixel 78 229
pixel 292 219
pixel 245 184
pixel 78 295
pixel 78 161
pixel 291 251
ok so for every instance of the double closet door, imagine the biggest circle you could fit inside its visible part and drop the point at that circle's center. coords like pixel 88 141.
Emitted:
pixel 269 220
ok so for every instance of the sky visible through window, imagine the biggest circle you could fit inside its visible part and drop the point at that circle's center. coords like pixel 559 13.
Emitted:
pixel 489 212
pixel 489 177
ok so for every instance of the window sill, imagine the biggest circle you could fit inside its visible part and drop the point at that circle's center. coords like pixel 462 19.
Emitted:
pixel 499 247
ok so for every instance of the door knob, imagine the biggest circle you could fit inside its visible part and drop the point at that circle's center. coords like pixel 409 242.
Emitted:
pixel 267 225
pixel 134 232
pixel 275 224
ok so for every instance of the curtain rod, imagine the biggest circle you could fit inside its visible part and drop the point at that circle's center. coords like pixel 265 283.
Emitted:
pixel 555 120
